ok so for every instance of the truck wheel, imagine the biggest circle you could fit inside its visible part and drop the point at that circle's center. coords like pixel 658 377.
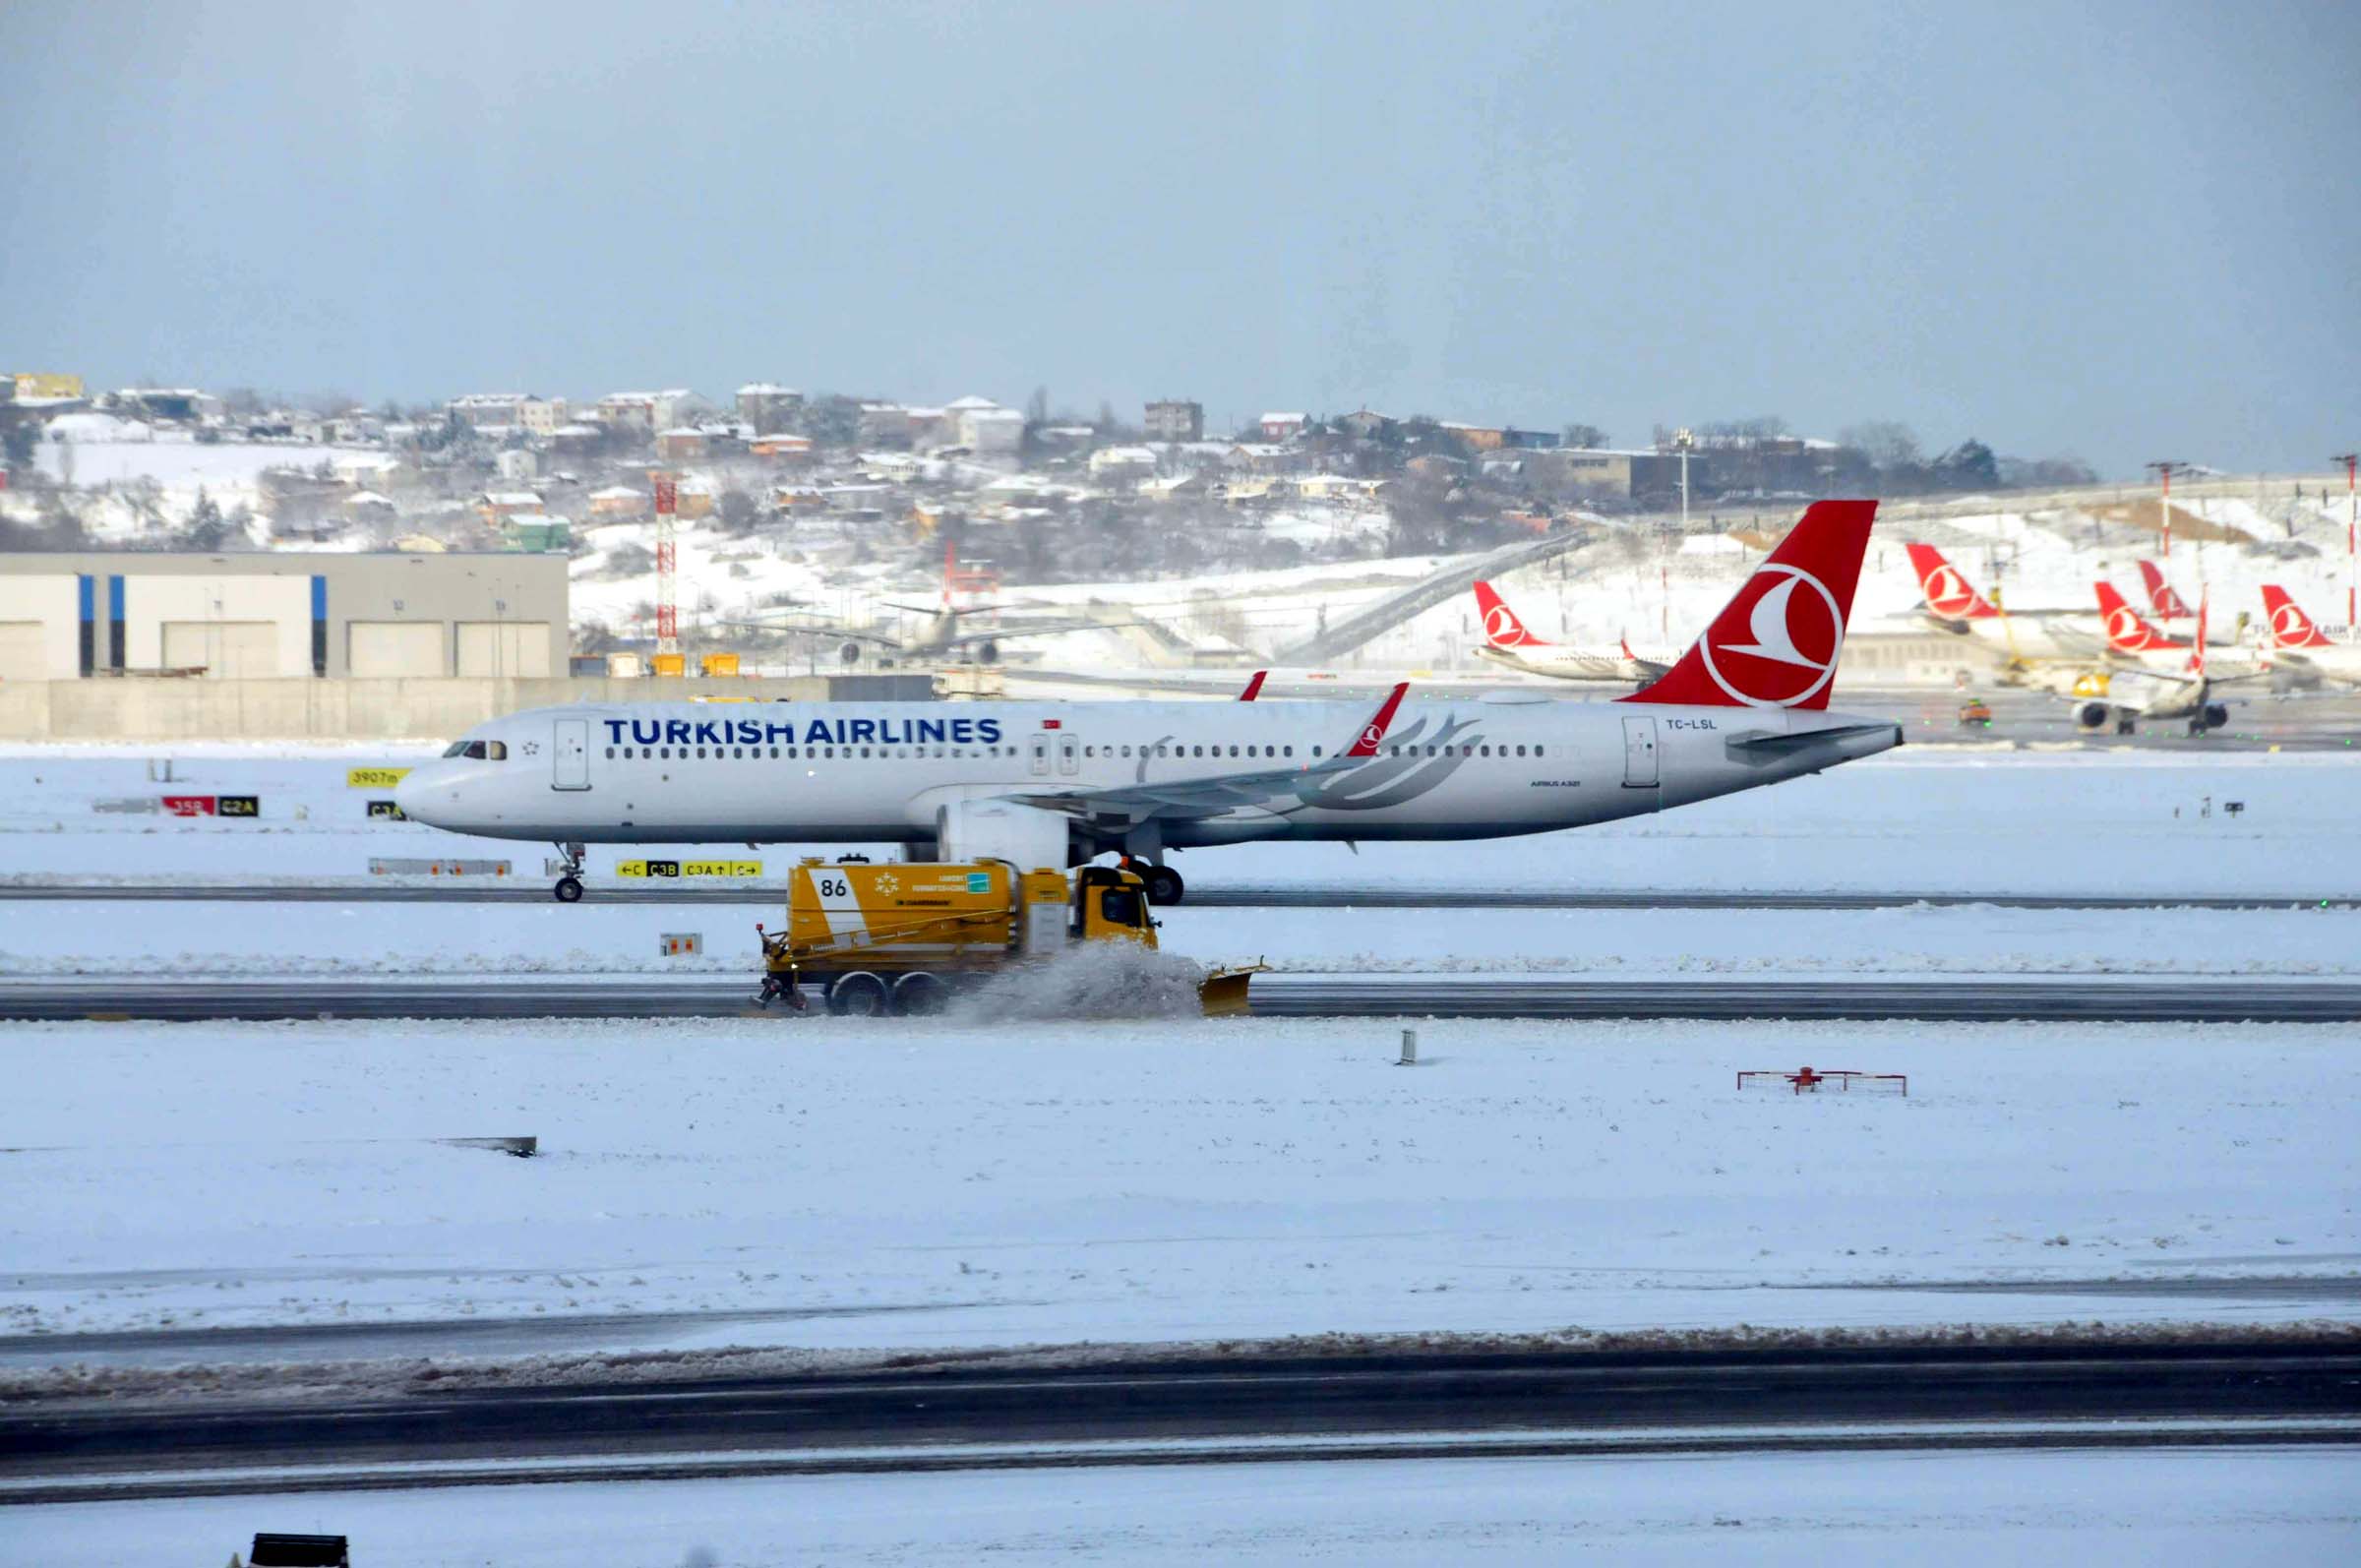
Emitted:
pixel 920 994
pixel 859 994
pixel 1165 885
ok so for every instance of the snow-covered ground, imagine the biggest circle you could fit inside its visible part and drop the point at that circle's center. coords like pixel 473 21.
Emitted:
pixel 1935 821
pixel 2191 1507
pixel 833 1184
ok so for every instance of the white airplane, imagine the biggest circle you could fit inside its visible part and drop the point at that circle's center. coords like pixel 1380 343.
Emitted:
pixel 2299 647
pixel 2021 637
pixel 1507 641
pixel 2161 685
pixel 1058 783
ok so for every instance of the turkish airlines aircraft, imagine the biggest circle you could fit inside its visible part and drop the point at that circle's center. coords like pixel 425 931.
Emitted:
pixel 2167 604
pixel 2162 685
pixel 1057 783
pixel 2300 648
pixel 1953 605
pixel 1507 641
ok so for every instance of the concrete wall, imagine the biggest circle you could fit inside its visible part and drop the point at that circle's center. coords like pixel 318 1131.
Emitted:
pixel 50 598
pixel 308 709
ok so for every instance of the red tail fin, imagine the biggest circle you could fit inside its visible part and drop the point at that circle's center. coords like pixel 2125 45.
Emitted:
pixel 2126 632
pixel 1253 687
pixel 2289 627
pixel 1774 644
pixel 2161 597
pixel 1947 592
pixel 1501 628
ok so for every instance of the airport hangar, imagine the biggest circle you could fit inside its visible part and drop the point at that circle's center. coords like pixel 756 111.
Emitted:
pixel 262 615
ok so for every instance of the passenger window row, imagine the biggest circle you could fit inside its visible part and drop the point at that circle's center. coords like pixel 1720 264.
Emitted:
pixel 495 750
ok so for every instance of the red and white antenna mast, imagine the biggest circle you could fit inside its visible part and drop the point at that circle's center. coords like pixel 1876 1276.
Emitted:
pixel 2352 546
pixel 668 611
pixel 2165 471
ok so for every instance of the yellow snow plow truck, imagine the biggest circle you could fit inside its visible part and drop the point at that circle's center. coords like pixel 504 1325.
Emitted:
pixel 901 938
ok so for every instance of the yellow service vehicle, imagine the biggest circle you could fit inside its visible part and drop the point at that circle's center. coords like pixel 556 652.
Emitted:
pixel 900 939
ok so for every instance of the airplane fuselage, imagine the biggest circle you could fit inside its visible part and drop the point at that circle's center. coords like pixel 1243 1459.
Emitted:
pixel 675 772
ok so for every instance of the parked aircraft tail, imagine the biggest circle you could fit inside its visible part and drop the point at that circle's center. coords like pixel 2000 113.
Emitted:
pixel 1501 628
pixel 2289 627
pixel 1775 643
pixel 1947 592
pixel 2127 633
pixel 2161 597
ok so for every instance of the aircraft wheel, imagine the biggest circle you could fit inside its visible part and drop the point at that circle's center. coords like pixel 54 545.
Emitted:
pixel 2125 727
pixel 859 994
pixel 1165 885
pixel 569 890
pixel 919 994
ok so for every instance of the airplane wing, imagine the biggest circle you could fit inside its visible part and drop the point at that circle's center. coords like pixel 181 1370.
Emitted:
pixel 824 629
pixel 1223 794
pixel 1033 629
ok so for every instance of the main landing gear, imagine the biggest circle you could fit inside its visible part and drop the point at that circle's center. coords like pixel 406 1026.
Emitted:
pixel 569 879
pixel 1165 885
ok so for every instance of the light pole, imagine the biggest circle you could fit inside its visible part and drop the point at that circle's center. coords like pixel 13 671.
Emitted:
pixel 1684 440
pixel 2352 557
pixel 2164 470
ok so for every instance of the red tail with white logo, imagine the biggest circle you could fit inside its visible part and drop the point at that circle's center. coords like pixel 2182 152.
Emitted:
pixel 1501 628
pixel 2290 627
pixel 2126 632
pixel 1775 645
pixel 1947 592
pixel 2161 597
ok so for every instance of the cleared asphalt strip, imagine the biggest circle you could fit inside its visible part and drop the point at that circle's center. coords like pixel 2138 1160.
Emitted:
pixel 1338 895
pixel 2222 1000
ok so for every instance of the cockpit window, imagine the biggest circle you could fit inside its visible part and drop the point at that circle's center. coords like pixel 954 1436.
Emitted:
pixel 480 751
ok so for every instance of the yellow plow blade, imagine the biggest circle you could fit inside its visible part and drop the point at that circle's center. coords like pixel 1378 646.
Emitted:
pixel 1222 994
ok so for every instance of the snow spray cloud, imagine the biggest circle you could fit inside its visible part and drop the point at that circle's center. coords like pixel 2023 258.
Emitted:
pixel 1092 979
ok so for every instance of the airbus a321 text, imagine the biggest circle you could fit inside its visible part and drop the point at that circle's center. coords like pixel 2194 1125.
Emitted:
pixel 1056 783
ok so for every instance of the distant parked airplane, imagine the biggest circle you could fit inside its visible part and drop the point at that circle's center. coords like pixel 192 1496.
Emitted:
pixel 1507 641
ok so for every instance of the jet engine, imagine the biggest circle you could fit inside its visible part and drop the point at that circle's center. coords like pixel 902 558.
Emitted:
pixel 2092 715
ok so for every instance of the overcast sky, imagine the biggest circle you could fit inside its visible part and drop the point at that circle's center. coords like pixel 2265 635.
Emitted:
pixel 2123 231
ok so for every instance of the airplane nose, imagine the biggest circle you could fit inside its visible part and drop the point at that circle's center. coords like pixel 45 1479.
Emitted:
pixel 415 794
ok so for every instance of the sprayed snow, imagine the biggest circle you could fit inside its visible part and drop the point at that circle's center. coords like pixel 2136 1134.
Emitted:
pixel 1114 979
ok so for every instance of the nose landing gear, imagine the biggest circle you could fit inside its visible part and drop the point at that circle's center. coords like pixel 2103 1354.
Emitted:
pixel 570 881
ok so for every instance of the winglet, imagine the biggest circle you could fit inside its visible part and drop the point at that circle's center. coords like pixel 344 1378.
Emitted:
pixel 2196 660
pixel 1501 628
pixel 1372 734
pixel 1253 687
